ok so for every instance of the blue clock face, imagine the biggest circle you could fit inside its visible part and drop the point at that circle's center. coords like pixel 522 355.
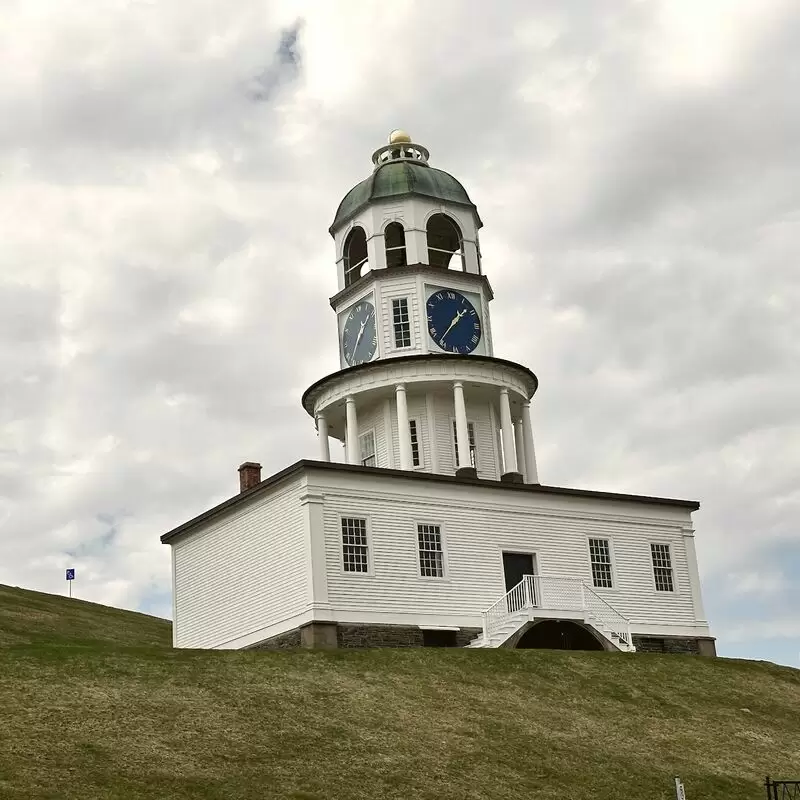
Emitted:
pixel 453 322
pixel 359 337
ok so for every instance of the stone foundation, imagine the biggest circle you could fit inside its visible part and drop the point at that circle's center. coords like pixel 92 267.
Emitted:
pixel 325 635
pixel 318 635
pixel 400 636
pixel 283 641
pixel 701 646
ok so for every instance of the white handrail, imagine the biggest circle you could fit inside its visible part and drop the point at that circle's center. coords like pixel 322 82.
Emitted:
pixel 556 591
pixel 513 601
pixel 615 622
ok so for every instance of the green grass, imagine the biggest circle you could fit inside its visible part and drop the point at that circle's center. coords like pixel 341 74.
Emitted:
pixel 96 704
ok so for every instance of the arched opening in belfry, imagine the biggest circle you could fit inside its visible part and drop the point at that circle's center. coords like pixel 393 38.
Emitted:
pixel 556 634
pixel 444 241
pixel 395 239
pixel 355 255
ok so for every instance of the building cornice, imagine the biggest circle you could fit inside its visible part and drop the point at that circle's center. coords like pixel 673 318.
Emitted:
pixel 306 465
pixel 420 360
pixel 371 277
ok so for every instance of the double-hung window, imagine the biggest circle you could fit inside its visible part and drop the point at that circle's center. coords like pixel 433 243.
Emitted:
pixel 367 446
pixel 414 431
pixel 355 554
pixel 401 324
pixel 600 557
pixel 662 568
pixel 431 558
pixel 473 454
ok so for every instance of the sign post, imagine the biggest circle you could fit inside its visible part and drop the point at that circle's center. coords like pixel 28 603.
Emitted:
pixel 70 578
pixel 680 792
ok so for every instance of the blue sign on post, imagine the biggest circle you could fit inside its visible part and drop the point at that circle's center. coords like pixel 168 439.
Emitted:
pixel 70 574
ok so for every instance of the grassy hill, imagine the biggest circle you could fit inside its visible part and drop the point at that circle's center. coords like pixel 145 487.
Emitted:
pixel 96 704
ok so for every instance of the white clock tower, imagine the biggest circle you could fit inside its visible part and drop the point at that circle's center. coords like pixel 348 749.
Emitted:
pixel 419 387
pixel 437 531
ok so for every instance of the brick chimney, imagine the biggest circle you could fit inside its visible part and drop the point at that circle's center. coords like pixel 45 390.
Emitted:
pixel 249 475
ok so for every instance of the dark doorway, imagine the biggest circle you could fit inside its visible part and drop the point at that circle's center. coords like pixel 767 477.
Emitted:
pixel 515 565
pixel 556 634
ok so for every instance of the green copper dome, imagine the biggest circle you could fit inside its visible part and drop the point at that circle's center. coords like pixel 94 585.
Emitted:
pixel 400 178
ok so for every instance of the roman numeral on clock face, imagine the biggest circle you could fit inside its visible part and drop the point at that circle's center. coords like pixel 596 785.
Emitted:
pixel 453 321
pixel 359 335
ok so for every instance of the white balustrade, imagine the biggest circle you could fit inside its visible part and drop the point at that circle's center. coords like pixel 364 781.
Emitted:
pixel 557 593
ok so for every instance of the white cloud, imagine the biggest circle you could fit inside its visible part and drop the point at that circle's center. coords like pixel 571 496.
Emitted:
pixel 167 265
pixel 786 628
pixel 760 584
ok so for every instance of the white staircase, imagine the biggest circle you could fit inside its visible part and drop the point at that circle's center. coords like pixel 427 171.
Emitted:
pixel 553 597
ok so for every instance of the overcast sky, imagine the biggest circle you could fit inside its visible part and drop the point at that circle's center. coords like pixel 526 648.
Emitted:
pixel 168 172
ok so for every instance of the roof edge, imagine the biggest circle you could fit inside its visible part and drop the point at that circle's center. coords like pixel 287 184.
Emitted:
pixel 267 483
pixel 370 276
pixel 419 358
pixel 339 223
pixel 309 464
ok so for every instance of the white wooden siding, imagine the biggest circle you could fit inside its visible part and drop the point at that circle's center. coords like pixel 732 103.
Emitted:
pixel 242 573
pixel 390 289
pixel 480 416
pixel 418 410
pixel 373 418
pixel 478 525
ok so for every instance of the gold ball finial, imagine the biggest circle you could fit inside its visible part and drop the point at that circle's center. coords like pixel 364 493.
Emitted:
pixel 399 136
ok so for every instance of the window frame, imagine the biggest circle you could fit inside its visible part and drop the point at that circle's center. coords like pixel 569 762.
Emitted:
pixel 361 436
pixel 348 267
pixel 397 248
pixel 395 324
pixel 368 538
pixel 420 455
pixel 611 562
pixel 443 549
pixel 673 573
pixel 459 251
pixel 473 444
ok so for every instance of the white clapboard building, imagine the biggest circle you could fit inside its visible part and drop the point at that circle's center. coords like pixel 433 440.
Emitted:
pixel 435 531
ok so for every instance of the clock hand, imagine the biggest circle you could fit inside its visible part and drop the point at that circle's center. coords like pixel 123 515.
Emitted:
pixel 360 334
pixel 455 322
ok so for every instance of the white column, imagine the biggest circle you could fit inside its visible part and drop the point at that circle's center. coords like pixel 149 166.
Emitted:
pixel 497 447
pixel 509 450
pixel 432 450
pixel 531 472
pixel 376 255
pixel 462 431
pixel 519 449
pixel 351 442
pixel 314 505
pixel 322 432
pixel 694 576
pixel 387 426
pixel 403 431
pixel 416 245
